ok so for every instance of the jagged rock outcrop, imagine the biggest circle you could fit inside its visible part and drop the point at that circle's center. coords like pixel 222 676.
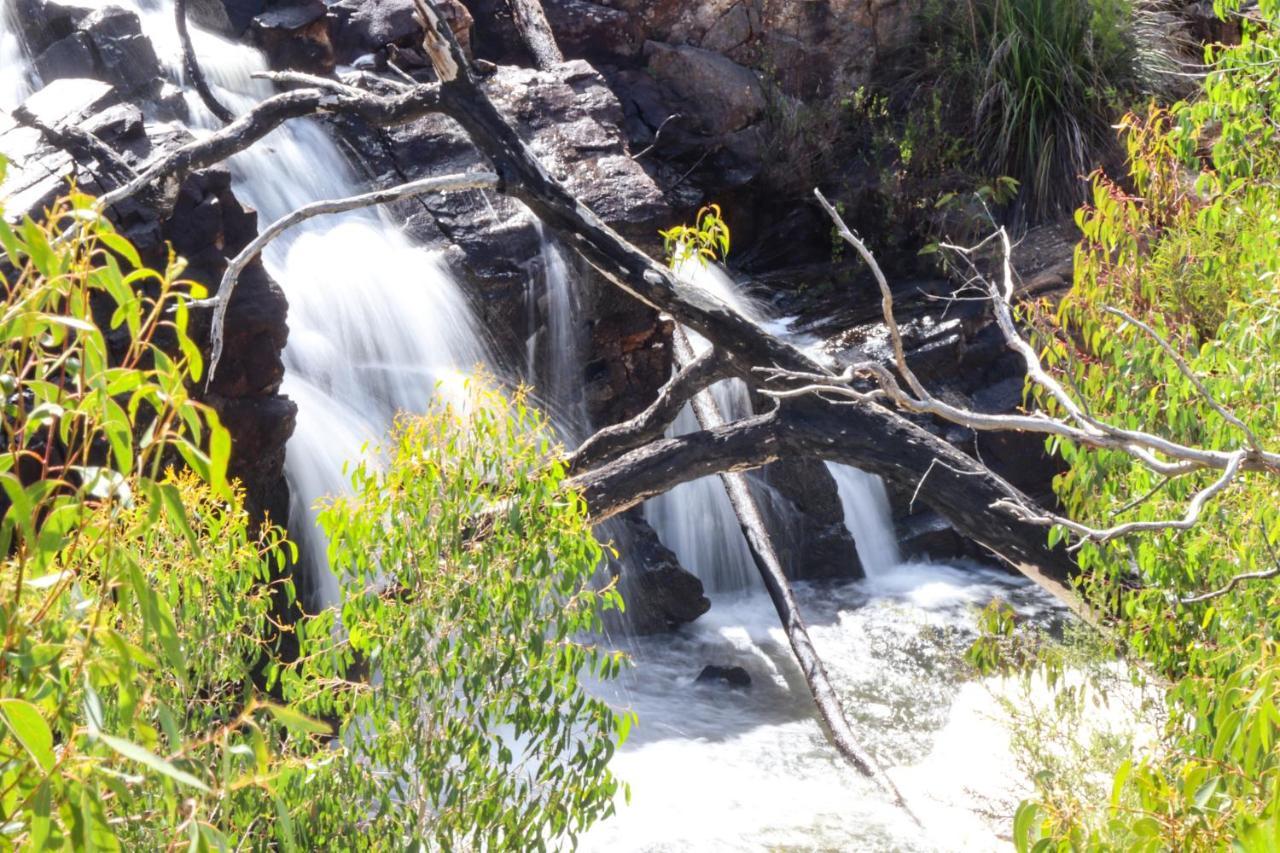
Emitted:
pixel 659 593
pixel 70 39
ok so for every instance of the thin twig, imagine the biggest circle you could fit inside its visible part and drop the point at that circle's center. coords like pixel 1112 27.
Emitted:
pixel 441 184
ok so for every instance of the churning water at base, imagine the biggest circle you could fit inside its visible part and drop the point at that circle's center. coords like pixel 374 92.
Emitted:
pixel 376 323
pixel 714 768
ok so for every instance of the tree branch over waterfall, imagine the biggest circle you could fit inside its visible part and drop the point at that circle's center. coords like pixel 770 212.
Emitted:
pixel 435 184
pixel 1163 456
pixel 765 557
pixel 612 441
pixel 192 66
pixel 979 503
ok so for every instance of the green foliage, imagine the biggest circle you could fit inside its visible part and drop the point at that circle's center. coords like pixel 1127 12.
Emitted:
pixel 467 598
pixel 707 239
pixel 995 91
pixel 1193 249
pixel 1054 75
pixel 145 701
pixel 133 605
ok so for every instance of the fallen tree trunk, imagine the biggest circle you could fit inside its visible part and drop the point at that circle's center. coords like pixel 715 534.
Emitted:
pixel 531 21
pixel 765 557
pixel 867 437
pixel 862 433
pixel 982 512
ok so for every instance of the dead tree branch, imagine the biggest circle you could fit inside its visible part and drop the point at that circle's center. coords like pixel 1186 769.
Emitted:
pixel 221 301
pixel 192 66
pixel 765 556
pixel 613 441
pixel 531 21
pixel 865 433
pixel 1164 456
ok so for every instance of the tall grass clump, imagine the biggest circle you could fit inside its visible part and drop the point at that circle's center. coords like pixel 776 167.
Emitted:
pixel 1053 76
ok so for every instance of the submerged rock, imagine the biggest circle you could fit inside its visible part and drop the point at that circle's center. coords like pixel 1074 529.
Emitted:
pixel 732 676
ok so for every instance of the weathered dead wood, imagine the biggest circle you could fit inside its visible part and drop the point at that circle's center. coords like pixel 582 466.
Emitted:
pixel 531 21
pixel 437 184
pixel 870 436
pixel 192 66
pixel 270 114
pixel 649 425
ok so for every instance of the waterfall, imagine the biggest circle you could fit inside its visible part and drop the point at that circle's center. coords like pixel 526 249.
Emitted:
pixel 696 520
pixel 18 76
pixel 556 348
pixel 869 518
pixel 376 324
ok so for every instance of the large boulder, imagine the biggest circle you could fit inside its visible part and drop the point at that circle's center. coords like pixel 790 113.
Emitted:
pixel 806 520
pixel 295 36
pixel 380 28
pixel 573 122
pixel 719 95
pixel 76 39
pixel 228 17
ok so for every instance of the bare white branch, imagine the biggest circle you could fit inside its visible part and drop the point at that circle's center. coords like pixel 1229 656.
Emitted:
pixel 441 184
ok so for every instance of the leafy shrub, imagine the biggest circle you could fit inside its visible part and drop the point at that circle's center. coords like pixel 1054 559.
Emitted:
pixel 467 596
pixel 133 604
pixel 143 701
pixel 1025 90
pixel 1193 250
pixel 1054 75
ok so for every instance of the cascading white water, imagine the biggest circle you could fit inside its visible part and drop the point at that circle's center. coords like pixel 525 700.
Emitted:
pixel 869 518
pixel 696 521
pixel 376 324
pixel 556 348
pixel 17 74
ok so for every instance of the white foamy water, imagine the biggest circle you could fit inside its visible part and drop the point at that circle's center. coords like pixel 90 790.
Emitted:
pixel 376 323
pixel 17 75
pixel 695 519
pixel 713 768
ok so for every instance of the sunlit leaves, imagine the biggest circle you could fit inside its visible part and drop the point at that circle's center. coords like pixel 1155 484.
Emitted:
pixel 1191 246
pixel 468 595
pixel 134 605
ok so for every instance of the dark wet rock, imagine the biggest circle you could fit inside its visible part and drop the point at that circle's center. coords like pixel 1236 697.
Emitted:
pixel 295 36
pixel 594 30
pixel 730 676
pixel 929 536
pixel 229 17
pixel 573 121
pixel 720 95
pixel 806 521
pixel 363 27
pixel 68 57
pixel 659 593
pixel 90 40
